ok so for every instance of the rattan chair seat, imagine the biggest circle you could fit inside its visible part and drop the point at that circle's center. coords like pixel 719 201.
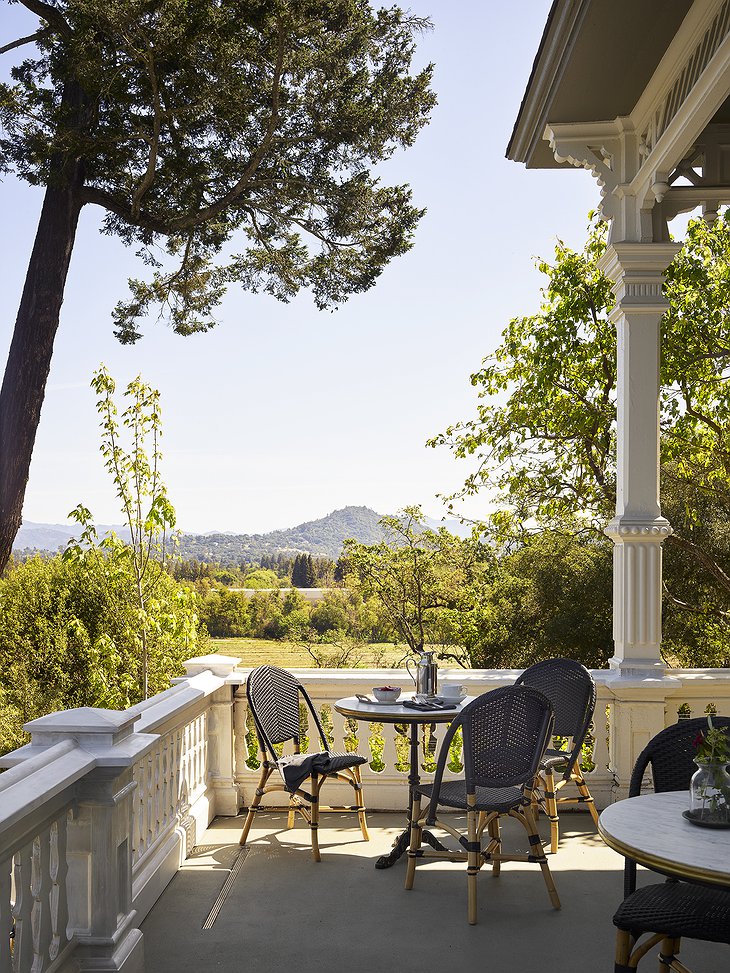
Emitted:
pixel 500 799
pixel 555 758
pixel 677 910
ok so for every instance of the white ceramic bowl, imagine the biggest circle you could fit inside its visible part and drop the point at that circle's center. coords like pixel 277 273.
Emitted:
pixel 386 695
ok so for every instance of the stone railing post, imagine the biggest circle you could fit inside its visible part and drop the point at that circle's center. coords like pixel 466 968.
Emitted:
pixel 101 916
pixel 638 711
pixel 220 730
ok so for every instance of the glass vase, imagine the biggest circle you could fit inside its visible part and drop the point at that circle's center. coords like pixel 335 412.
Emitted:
pixel 709 793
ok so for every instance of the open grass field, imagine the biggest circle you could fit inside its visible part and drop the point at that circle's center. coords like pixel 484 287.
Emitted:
pixel 292 655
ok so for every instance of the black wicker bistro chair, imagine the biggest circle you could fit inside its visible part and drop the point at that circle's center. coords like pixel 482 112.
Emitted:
pixel 505 733
pixel 673 910
pixel 274 697
pixel 570 688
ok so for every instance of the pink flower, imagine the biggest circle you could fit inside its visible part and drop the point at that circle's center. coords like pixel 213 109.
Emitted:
pixel 698 741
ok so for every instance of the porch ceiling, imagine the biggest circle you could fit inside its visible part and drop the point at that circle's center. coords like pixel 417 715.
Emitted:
pixel 594 60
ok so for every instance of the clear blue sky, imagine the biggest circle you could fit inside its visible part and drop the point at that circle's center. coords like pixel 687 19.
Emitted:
pixel 283 413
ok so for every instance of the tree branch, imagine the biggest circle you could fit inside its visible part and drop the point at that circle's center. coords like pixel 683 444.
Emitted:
pixel 149 176
pixel 22 40
pixel 52 15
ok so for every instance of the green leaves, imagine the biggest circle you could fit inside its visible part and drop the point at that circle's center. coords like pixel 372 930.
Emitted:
pixel 544 431
pixel 544 434
pixel 209 122
pixel 418 575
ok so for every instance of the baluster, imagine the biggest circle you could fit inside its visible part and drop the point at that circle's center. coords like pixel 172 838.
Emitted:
pixel 339 731
pixel 599 731
pixel 170 791
pixel 310 730
pixel 205 737
pixel 6 914
pixel 59 887
pixel 179 771
pixel 240 744
pixel 390 754
pixel 40 888
pixel 150 800
pixel 23 948
pixel 195 755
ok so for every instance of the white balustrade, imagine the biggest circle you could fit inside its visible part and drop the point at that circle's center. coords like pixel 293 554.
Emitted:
pixel 100 809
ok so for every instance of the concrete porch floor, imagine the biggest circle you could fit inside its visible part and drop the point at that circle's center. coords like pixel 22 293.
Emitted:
pixel 284 911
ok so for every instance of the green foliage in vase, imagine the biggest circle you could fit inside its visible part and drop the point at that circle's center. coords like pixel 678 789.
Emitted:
pixel 712 745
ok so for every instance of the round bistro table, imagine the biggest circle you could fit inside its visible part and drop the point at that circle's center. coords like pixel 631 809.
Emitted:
pixel 376 712
pixel 651 830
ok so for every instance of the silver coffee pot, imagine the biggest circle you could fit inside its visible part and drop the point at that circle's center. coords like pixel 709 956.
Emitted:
pixel 425 673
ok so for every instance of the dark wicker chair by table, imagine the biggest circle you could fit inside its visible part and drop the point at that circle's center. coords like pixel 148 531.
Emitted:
pixel 505 733
pixel 274 697
pixel 673 910
pixel 570 688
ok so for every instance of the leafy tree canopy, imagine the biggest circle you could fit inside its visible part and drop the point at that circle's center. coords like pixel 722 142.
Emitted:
pixel 197 120
pixel 419 576
pixel 544 433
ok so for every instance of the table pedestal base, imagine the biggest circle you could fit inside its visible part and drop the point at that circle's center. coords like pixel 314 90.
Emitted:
pixel 400 845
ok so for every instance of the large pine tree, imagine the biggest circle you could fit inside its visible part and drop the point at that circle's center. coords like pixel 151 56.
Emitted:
pixel 240 136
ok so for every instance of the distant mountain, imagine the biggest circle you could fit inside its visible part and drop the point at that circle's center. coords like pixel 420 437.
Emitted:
pixel 51 537
pixel 321 537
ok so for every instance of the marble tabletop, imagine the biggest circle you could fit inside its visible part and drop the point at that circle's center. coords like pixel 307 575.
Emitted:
pixel 651 830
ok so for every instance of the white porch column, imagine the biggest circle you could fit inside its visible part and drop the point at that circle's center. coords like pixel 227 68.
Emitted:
pixel 638 529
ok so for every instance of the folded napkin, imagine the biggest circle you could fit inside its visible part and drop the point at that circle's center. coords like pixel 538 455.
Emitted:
pixel 428 707
pixel 299 766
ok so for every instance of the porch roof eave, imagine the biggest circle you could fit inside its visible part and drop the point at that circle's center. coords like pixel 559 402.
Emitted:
pixel 593 63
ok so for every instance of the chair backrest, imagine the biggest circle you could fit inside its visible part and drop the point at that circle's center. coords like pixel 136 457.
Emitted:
pixel 505 734
pixel 671 755
pixel 273 697
pixel 571 689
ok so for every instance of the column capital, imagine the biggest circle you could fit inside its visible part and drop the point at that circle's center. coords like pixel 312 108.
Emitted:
pixel 637 271
pixel 624 530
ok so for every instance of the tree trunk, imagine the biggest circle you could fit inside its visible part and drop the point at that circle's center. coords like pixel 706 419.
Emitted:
pixel 29 359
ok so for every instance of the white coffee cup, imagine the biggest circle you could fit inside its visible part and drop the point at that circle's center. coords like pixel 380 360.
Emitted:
pixel 450 690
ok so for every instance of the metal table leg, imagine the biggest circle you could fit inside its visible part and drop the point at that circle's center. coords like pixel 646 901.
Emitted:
pixel 400 845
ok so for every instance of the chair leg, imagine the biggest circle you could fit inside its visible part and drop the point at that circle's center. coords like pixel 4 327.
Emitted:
pixel 317 782
pixel 360 803
pixel 495 835
pixel 551 806
pixel 472 859
pixel 253 806
pixel 291 816
pixel 624 945
pixel 668 956
pixel 415 840
pixel 537 853
pixel 585 793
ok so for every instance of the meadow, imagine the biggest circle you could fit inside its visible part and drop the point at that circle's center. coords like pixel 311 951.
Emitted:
pixel 294 655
